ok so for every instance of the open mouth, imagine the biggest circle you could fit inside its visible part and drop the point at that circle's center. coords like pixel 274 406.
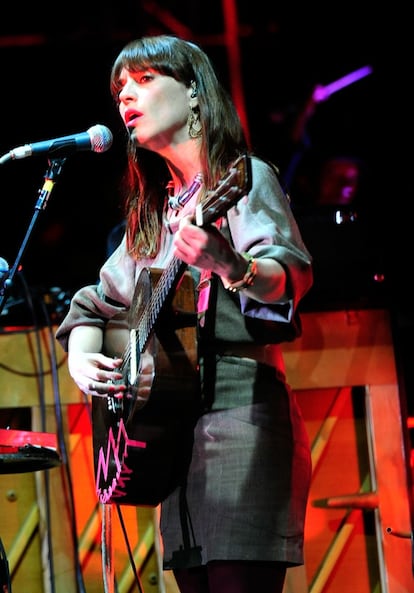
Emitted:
pixel 131 117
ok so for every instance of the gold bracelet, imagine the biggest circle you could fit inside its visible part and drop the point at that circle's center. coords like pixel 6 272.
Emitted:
pixel 249 277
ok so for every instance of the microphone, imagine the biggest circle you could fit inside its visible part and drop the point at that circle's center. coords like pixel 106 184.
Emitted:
pixel 97 139
pixel 4 276
pixel 4 270
pixel 4 267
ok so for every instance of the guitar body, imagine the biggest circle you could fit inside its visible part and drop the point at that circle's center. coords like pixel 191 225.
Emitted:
pixel 142 443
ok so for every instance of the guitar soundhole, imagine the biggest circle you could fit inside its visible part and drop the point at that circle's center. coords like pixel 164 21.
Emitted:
pixel 139 383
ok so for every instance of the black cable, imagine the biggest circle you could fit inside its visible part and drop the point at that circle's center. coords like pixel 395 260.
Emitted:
pixel 42 402
pixel 130 554
pixel 5 581
pixel 63 450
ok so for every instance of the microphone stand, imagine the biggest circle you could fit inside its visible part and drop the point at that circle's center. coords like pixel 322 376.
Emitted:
pixel 6 282
pixel 51 176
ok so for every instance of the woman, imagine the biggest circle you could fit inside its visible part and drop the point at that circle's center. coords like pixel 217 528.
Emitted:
pixel 242 501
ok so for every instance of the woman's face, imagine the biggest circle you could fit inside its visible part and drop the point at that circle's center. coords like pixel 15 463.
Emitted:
pixel 155 108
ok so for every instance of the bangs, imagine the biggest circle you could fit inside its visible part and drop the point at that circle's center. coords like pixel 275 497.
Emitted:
pixel 162 54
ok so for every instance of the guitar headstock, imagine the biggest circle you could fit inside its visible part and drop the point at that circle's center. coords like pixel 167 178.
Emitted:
pixel 235 184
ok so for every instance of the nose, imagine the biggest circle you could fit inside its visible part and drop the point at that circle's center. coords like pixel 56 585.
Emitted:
pixel 129 91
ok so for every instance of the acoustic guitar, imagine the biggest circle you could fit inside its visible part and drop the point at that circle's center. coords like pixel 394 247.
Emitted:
pixel 142 442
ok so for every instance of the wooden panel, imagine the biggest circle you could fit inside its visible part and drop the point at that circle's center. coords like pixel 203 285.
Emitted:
pixel 42 507
pixel 336 348
pixel 348 548
pixel 337 352
pixel 342 348
pixel 384 423
pixel 18 531
pixel 336 539
pixel 28 361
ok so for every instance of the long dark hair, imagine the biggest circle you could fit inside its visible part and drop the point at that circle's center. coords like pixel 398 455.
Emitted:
pixel 222 138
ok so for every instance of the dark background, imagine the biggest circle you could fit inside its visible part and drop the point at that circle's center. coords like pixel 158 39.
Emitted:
pixel 55 70
pixel 55 63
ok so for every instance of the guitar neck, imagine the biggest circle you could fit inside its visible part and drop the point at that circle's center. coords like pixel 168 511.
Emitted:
pixel 163 290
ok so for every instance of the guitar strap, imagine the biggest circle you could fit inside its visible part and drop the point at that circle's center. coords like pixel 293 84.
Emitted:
pixel 107 549
pixel 206 309
pixel 203 289
pixel 189 554
pixel 185 519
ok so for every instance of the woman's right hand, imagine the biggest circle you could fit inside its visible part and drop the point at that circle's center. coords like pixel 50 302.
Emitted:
pixel 95 373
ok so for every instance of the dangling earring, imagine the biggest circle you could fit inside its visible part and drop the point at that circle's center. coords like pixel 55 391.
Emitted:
pixel 194 123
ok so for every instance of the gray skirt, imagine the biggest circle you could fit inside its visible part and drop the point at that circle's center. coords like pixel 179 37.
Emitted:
pixel 249 477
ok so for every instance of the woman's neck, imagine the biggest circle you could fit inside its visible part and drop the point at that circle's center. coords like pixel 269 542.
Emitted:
pixel 184 163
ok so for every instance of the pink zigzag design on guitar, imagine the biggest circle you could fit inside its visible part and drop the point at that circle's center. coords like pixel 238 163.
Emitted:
pixel 117 487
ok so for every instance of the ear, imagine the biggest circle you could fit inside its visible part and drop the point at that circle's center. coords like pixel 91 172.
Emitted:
pixel 193 94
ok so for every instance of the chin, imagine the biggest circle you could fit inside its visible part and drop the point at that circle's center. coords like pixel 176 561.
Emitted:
pixel 133 136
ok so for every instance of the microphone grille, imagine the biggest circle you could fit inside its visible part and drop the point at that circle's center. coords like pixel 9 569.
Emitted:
pixel 101 138
pixel 4 266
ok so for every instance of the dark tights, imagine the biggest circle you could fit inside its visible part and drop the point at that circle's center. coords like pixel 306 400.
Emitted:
pixel 232 577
